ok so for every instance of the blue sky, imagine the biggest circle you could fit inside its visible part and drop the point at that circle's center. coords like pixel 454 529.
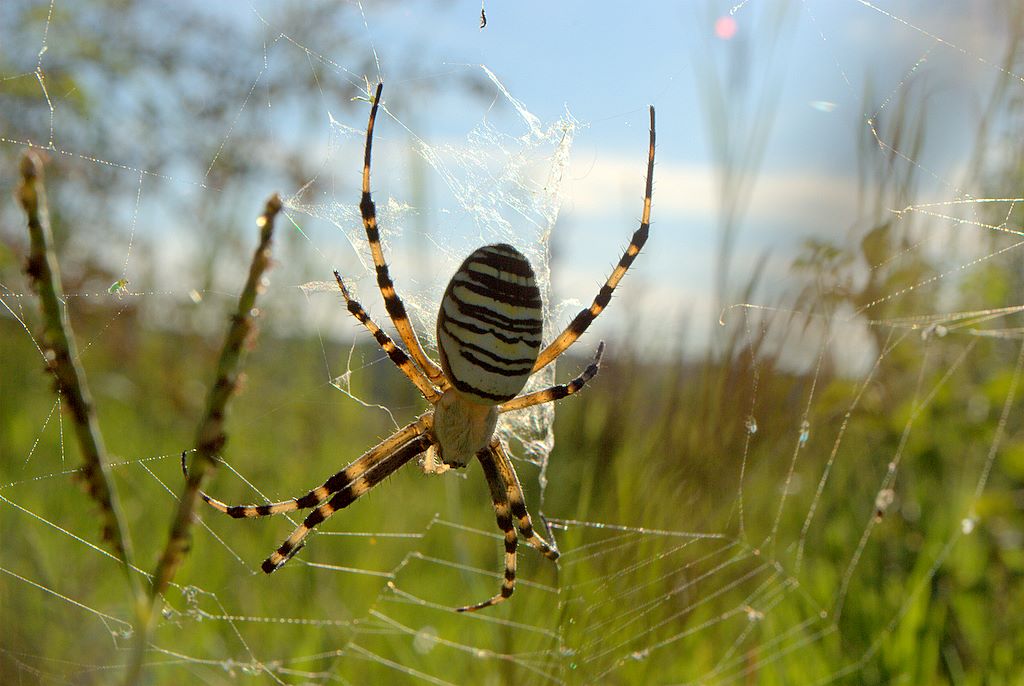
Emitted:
pixel 803 79
pixel 796 84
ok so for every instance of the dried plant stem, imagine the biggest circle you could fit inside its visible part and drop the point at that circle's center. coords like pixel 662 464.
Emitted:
pixel 210 437
pixel 58 344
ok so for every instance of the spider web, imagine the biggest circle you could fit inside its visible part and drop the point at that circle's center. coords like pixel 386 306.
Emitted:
pixel 814 478
pixel 506 195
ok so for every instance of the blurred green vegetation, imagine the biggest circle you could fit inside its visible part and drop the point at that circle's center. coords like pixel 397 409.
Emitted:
pixel 703 573
pixel 683 493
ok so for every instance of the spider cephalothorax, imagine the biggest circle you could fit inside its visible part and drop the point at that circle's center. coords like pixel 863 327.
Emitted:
pixel 489 340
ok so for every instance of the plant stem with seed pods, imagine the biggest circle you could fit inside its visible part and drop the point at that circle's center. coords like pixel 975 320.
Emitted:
pixel 210 436
pixel 58 344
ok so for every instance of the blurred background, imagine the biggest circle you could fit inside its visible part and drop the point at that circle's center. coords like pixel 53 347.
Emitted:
pixel 802 461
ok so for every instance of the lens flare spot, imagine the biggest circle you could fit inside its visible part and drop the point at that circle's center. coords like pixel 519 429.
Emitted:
pixel 725 28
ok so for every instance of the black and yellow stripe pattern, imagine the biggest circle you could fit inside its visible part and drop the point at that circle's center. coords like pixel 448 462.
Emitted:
pixel 553 393
pixel 489 331
pixel 396 354
pixel 509 506
pixel 503 515
pixel 517 501
pixel 346 486
pixel 393 303
pixel 585 318
pixel 366 479
pixel 335 483
pixel 489 325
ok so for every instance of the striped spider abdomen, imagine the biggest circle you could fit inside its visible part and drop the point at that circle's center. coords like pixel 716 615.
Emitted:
pixel 489 325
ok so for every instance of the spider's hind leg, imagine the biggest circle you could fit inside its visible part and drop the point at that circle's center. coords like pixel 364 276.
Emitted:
pixel 503 515
pixel 517 502
pixel 507 496
pixel 336 482
pixel 345 496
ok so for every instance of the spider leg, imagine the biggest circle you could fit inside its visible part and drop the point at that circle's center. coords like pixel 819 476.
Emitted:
pixel 332 485
pixel 604 296
pixel 553 393
pixel 503 514
pixel 345 496
pixel 396 354
pixel 394 304
pixel 516 500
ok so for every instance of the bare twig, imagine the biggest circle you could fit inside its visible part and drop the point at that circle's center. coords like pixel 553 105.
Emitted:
pixel 210 437
pixel 58 344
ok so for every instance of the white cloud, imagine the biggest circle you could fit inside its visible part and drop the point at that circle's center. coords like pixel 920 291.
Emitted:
pixel 799 199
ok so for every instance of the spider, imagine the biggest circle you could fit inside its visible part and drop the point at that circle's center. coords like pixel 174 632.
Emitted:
pixel 489 342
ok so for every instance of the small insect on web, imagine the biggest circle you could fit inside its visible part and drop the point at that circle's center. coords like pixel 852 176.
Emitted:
pixel 489 340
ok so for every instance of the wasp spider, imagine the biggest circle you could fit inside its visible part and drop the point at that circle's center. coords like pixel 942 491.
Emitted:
pixel 489 341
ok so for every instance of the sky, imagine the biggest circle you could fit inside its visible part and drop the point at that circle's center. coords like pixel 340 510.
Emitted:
pixel 798 83
pixel 762 106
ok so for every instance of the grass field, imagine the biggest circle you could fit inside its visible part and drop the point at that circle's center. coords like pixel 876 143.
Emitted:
pixel 726 520
pixel 826 489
